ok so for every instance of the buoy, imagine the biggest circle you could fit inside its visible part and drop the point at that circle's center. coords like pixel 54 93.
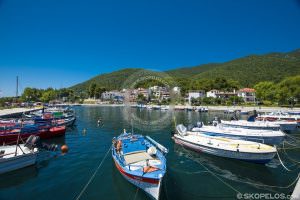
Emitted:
pixel 64 148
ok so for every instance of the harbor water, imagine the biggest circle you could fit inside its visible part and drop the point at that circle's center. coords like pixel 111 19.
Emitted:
pixel 189 175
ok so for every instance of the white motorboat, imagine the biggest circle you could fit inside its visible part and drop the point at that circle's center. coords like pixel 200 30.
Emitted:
pixel 262 136
pixel 15 157
pixel 261 125
pixel 224 147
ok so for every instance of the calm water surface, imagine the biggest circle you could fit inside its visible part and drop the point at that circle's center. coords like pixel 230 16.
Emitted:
pixel 189 175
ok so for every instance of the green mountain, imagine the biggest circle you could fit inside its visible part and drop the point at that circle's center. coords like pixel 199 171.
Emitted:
pixel 255 68
pixel 110 81
pixel 247 71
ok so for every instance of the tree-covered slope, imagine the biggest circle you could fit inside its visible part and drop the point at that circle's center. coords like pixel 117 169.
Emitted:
pixel 252 69
pixel 110 81
pixel 247 71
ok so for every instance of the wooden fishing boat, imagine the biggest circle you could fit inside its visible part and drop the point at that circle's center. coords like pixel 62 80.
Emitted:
pixel 224 147
pixel 11 136
pixel 141 161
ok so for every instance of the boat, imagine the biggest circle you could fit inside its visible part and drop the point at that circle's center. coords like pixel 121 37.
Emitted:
pixel 280 117
pixel 224 147
pixel 263 136
pixel 141 161
pixel 18 156
pixel 44 132
pixel 261 125
pixel 202 109
pixel 190 108
pixel 164 108
pixel 156 107
pixel 13 157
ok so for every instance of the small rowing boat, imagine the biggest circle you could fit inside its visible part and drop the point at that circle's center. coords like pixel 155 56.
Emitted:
pixel 224 147
pixel 141 161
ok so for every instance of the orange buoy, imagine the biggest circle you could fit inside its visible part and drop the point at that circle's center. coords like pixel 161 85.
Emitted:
pixel 64 148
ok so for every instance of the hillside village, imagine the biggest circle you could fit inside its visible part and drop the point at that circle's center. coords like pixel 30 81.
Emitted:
pixel 163 95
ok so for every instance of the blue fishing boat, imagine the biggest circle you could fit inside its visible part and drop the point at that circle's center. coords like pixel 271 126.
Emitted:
pixel 141 161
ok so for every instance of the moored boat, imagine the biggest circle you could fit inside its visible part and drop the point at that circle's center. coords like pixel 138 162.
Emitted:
pixel 280 117
pixel 261 125
pixel 11 136
pixel 18 156
pixel 224 147
pixel 141 161
pixel 263 136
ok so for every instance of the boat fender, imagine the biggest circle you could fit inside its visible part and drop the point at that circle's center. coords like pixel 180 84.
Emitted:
pixel 114 142
pixel 119 146
pixel 152 151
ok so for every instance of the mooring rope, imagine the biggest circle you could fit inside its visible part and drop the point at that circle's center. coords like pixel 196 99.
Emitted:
pixel 295 161
pixel 281 161
pixel 255 184
pixel 94 174
pixel 211 172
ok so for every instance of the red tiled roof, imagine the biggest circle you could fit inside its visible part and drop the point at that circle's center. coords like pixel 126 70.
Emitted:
pixel 247 90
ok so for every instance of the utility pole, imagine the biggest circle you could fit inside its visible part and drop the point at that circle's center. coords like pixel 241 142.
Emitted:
pixel 17 89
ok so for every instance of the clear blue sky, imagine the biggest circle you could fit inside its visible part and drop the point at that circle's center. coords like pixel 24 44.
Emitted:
pixel 59 43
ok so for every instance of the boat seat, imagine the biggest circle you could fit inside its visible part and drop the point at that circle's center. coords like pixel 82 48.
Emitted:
pixel 137 157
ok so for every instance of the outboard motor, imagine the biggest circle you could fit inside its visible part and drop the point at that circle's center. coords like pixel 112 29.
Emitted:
pixel 32 142
pixel 216 121
pixel 199 124
pixel 181 130
pixel 234 117
pixel 252 117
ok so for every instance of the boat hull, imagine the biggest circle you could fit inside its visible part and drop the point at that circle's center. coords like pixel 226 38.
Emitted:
pixel 149 185
pixel 14 163
pixel 265 140
pixel 11 138
pixel 261 158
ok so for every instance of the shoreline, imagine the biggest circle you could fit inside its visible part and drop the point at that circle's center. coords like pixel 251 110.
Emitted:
pixel 213 108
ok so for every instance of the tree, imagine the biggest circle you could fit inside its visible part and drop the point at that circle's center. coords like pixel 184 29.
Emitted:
pixel 288 90
pixel 98 91
pixel 141 98
pixel 266 91
pixel 31 94
pixel 48 95
pixel 92 89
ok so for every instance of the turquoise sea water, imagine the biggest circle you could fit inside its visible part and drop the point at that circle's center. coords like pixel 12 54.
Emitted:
pixel 189 174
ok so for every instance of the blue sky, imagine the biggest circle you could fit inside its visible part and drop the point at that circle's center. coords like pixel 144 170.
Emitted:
pixel 59 43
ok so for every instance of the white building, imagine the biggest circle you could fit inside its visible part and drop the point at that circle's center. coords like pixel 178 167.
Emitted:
pixel 212 93
pixel 248 94
pixel 195 94
pixel 111 95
